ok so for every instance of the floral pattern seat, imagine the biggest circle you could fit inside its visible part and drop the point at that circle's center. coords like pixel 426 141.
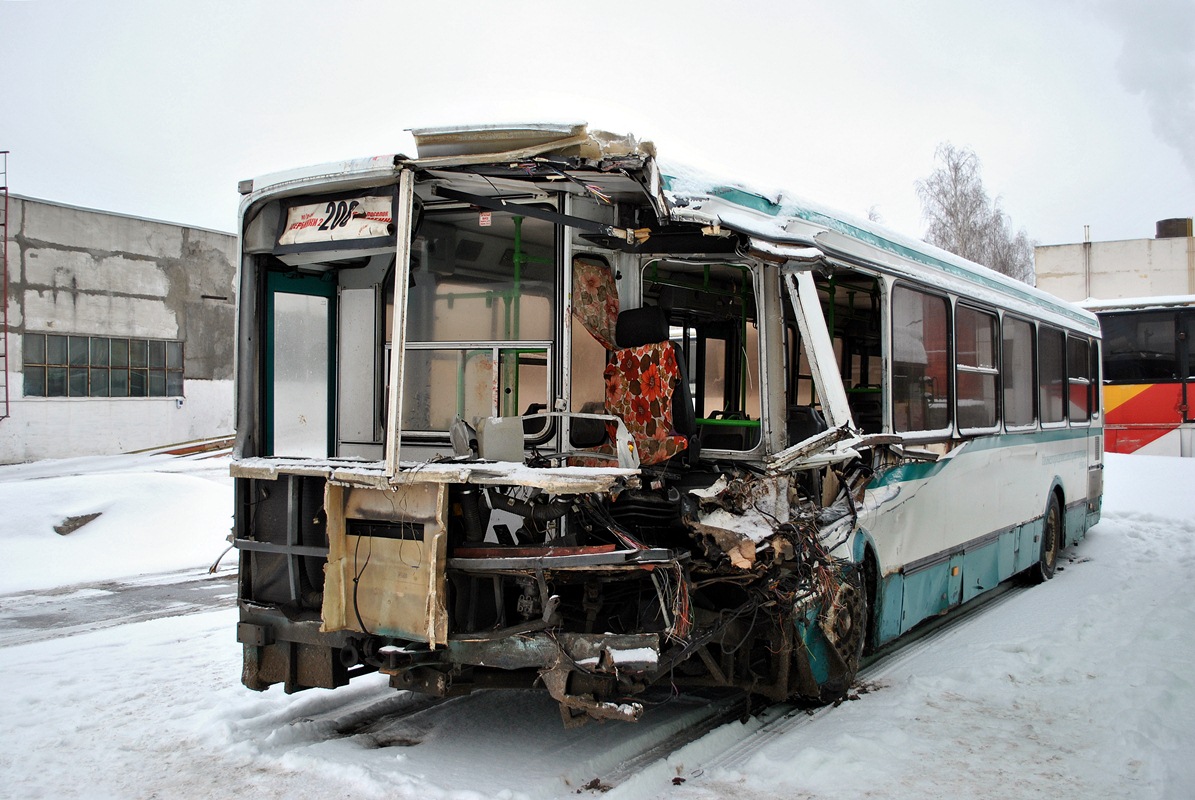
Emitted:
pixel 595 299
pixel 641 377
pixel 640 382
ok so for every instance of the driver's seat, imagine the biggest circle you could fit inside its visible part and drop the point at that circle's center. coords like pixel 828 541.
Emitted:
pixel 647 388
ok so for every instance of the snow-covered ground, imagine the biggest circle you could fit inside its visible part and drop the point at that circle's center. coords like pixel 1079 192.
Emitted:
pixel 157 513
pixel 1080 687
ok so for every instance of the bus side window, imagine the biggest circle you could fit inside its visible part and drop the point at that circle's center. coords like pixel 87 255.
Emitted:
pixel 1017 374
pixel 920 361
pixel 712 320
pixel 851 305
pixel 1051 362
pixel 1140 347
pixel 1079 379
pixel 803 417
pixel 976 375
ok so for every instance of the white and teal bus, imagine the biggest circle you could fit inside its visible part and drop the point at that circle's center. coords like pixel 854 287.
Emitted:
pixel 532 406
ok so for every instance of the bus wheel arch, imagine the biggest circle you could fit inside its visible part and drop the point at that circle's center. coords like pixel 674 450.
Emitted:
pixel 1053 531
pixel 845 626
pixel 869 567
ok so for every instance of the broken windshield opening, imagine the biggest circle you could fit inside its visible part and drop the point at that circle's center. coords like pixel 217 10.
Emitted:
pixel 480 320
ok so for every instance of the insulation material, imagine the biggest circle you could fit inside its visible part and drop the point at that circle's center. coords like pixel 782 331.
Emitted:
pixel 389 583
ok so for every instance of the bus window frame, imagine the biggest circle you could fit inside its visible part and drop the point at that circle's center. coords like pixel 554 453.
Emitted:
pixel 1041 419
pixel 1035 397
pixel 1181 348
pixel 692 345
pixel 557 297
pixel 1089 380
pixel 403 217
pixel 931 434
pixel 998 343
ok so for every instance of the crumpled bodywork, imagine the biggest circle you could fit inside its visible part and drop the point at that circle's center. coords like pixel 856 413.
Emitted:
pixel 551 544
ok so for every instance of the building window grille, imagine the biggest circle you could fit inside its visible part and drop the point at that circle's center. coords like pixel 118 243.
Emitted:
pixel 61 365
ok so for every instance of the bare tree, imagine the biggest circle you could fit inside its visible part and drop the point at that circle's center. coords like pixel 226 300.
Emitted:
pixel 965 221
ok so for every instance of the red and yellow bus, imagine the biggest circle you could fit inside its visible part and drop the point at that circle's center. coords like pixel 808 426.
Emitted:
pixel 1148 374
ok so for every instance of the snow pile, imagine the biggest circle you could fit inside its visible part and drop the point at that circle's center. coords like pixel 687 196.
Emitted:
pixel 115 517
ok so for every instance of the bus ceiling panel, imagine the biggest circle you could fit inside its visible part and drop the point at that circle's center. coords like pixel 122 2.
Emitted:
pixel 675 240
pixel 495 179
pixel 324 260
pixel 499 204
pixel 475 183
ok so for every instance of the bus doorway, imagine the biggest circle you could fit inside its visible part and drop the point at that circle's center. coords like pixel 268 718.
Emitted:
pixel 299 355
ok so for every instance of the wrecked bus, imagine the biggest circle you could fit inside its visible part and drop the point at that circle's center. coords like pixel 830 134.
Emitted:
pixel 534 408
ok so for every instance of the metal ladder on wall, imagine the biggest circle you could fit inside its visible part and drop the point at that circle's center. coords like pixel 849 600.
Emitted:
pixel 4 405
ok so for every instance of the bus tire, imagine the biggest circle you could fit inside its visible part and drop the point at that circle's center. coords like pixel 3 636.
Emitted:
pixel 1051 541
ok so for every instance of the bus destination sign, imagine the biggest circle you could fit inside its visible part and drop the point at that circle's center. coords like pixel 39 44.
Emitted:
pixel 338 221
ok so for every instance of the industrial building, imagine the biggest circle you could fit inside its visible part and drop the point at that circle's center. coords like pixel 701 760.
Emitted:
pixel 1163 266
pixel 117 332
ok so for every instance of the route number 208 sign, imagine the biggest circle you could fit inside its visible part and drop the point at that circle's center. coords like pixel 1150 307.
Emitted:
pixel 338 220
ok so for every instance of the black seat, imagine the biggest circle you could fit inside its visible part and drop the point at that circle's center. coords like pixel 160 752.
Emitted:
pixel 803 422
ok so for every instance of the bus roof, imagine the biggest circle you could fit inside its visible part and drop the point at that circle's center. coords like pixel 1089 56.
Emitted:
pixel 1140 303
pixel 775 217
pixel 781 217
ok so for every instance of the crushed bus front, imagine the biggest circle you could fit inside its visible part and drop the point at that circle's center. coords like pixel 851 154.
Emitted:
pixel 514 412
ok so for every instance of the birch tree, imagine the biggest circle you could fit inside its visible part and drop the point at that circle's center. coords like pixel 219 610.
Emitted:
pixel 964 220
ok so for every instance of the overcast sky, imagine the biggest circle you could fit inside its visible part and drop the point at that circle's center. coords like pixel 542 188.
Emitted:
pixel 1082 113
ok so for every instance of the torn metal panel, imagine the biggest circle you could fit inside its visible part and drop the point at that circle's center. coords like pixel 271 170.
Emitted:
pixel 834 445
pixel 796 256
pixel 607 653
pixel 753 520
pixel 557 680
pixel 739 514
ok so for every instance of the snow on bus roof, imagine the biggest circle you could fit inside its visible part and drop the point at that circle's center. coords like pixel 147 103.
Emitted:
pixel 1139 303
pixel 696 196
pixel 781 216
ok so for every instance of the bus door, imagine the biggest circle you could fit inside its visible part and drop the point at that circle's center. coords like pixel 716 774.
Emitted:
pixel 299 354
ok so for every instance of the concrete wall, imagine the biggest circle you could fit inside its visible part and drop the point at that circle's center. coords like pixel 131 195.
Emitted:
pixel 78 271
pixel 1130 268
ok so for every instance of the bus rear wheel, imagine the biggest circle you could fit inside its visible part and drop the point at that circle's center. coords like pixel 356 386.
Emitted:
pixel 1051 542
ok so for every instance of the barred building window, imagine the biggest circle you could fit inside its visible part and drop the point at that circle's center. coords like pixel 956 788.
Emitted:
pixel 58 365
